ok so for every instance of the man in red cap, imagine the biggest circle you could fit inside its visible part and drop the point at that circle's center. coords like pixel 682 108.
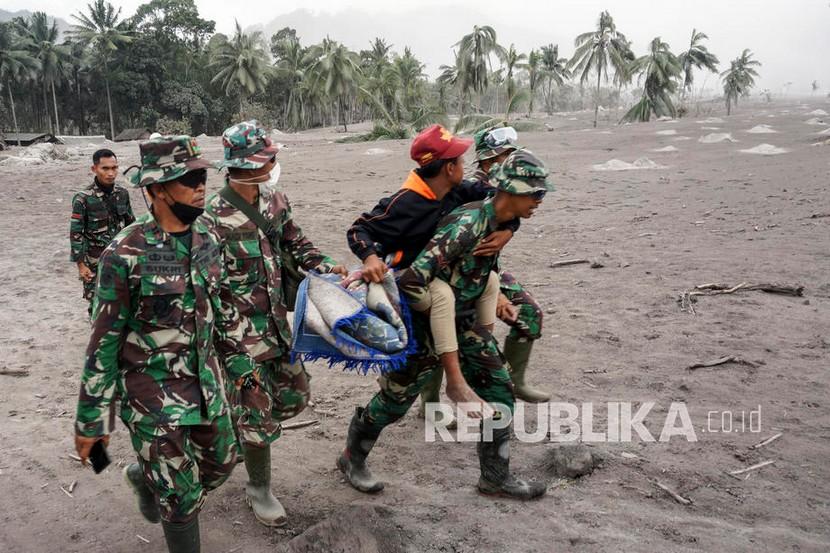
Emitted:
pixel 392 235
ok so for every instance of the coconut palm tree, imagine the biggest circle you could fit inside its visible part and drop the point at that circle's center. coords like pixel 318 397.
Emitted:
pixel 598 51
pixel 474 52
pixel 241 64
pixel 291 67
pixel 101 29
pixel 42 42
pixel 554 70
pixel 513 60
pixel 659 71
pixel 696 57
pixel 335 71
pixel 739 79
pixel 15 63
pixel 409 72
pixel 535 75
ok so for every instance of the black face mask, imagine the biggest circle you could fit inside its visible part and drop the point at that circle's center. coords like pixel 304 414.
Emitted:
pixel 184 212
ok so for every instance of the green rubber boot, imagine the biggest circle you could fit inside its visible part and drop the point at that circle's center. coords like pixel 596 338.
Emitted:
pixel 518 355
pixel 352 462
pixel 145 497
pixel 496 479
pixel 182 537
pixel 431 393
pixel 267 508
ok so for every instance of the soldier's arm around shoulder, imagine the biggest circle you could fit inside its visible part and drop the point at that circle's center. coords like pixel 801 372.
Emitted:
pixel 111 312
pixel 294 241
pixel 454 238
pixel 77 226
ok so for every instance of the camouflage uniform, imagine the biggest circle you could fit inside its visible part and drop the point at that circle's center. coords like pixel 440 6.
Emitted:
pixel 276 390
pixel 97 216
pixel 163 319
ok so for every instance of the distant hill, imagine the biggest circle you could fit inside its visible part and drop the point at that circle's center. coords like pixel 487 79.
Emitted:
pixel 429 33
pixel 5 15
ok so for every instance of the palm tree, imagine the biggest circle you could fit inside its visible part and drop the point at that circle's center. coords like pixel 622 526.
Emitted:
pixel 292 67
pixel 597 51
pixel 377 58
pixel 42 42
pixel 334 71
pixel 660 69
pixel 697 56
pixel 101 29
pixel 512 61
pixel 535 75
pixel 15 62
pixel 739 78
pixel 409 72
pixel 474 52
pixel 241 63
pixel 554 70
pixel 446 80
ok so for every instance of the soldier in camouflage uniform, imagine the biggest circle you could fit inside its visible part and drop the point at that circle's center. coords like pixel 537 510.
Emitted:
pixel 276 389
pixel 522 183
pixel 98 212
pixel 163 320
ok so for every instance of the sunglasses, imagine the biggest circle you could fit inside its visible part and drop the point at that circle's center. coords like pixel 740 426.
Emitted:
pixel 501 136
pixel 539 195
pixel 193 179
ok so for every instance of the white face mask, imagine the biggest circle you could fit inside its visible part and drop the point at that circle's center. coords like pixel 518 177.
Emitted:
pixel 270 184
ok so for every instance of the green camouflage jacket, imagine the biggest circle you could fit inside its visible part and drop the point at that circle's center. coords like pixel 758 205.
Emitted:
pixel 254 268
pixel 96 218
pixel 449 256
pixel 163 318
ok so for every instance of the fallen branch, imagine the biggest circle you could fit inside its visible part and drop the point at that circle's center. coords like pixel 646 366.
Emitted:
pixel 714 289
pixel 67 493
pixel 819 215
pixel 567 262
pixel 302 424
pixel 676 496
pixel 721 361
pixel 767 441
pixel 142 538
pixel 14 372
pixel 753 467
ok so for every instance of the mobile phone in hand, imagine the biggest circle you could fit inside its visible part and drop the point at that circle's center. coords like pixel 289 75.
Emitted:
pixel 98 457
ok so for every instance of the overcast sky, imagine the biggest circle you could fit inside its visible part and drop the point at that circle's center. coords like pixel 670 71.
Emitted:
pixel 790 37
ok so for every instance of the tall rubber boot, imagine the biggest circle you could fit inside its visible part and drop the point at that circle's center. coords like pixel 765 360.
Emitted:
pixel 147 504
pixel 182 537
pixel 352 462
pixel 267 508
pixel 495 479
pixel 431 393
pixel 518 354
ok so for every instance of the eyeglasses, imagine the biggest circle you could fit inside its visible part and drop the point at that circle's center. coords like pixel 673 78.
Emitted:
pixel 193 179
pixel 500 137
pixel 539 195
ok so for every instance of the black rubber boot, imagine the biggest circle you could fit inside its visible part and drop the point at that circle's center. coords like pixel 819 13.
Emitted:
pixel 182 537
pixel 495 479
pixel 147 504
pixel 267 508
pixel 352 462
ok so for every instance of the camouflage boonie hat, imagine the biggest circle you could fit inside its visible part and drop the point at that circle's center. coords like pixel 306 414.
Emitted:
pixel 522 173
pixel 247 146
pixel 167 158
pixel 484 151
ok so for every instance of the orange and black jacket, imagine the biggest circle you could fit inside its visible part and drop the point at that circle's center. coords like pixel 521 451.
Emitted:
pixel 403 223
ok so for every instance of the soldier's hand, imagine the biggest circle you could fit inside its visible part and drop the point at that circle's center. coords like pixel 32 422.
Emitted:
pixel 84 445
pixel 505 310
pixel 374 269
pixel 84 272
pixel 493 242
pixel 467 399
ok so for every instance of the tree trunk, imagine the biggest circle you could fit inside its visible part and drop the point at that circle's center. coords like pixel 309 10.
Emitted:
pixel 55 104
pixel 109 101
pixel 532 96
pixel 343 113
pixel 14 115
pixel 46 108
pixel 596 100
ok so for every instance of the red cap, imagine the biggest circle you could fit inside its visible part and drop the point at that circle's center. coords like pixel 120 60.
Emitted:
pixel 436 142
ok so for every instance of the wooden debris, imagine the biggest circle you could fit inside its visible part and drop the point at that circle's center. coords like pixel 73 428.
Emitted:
pixel 142 538
pixel 819 215
pixel 72 486
pixel 64 490
pixel 676 496
pixel 767 441
pixel 720 361
pixel 74 457
pixel 567 262
pixel 753 467
pixel 301 424
pixel 594 371
pixel 714 289
pixel 14 372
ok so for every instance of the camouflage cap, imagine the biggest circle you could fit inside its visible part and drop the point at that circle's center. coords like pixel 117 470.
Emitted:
pixel 167 158
pixel 521 173
pixel 247 146
pixel 487 149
